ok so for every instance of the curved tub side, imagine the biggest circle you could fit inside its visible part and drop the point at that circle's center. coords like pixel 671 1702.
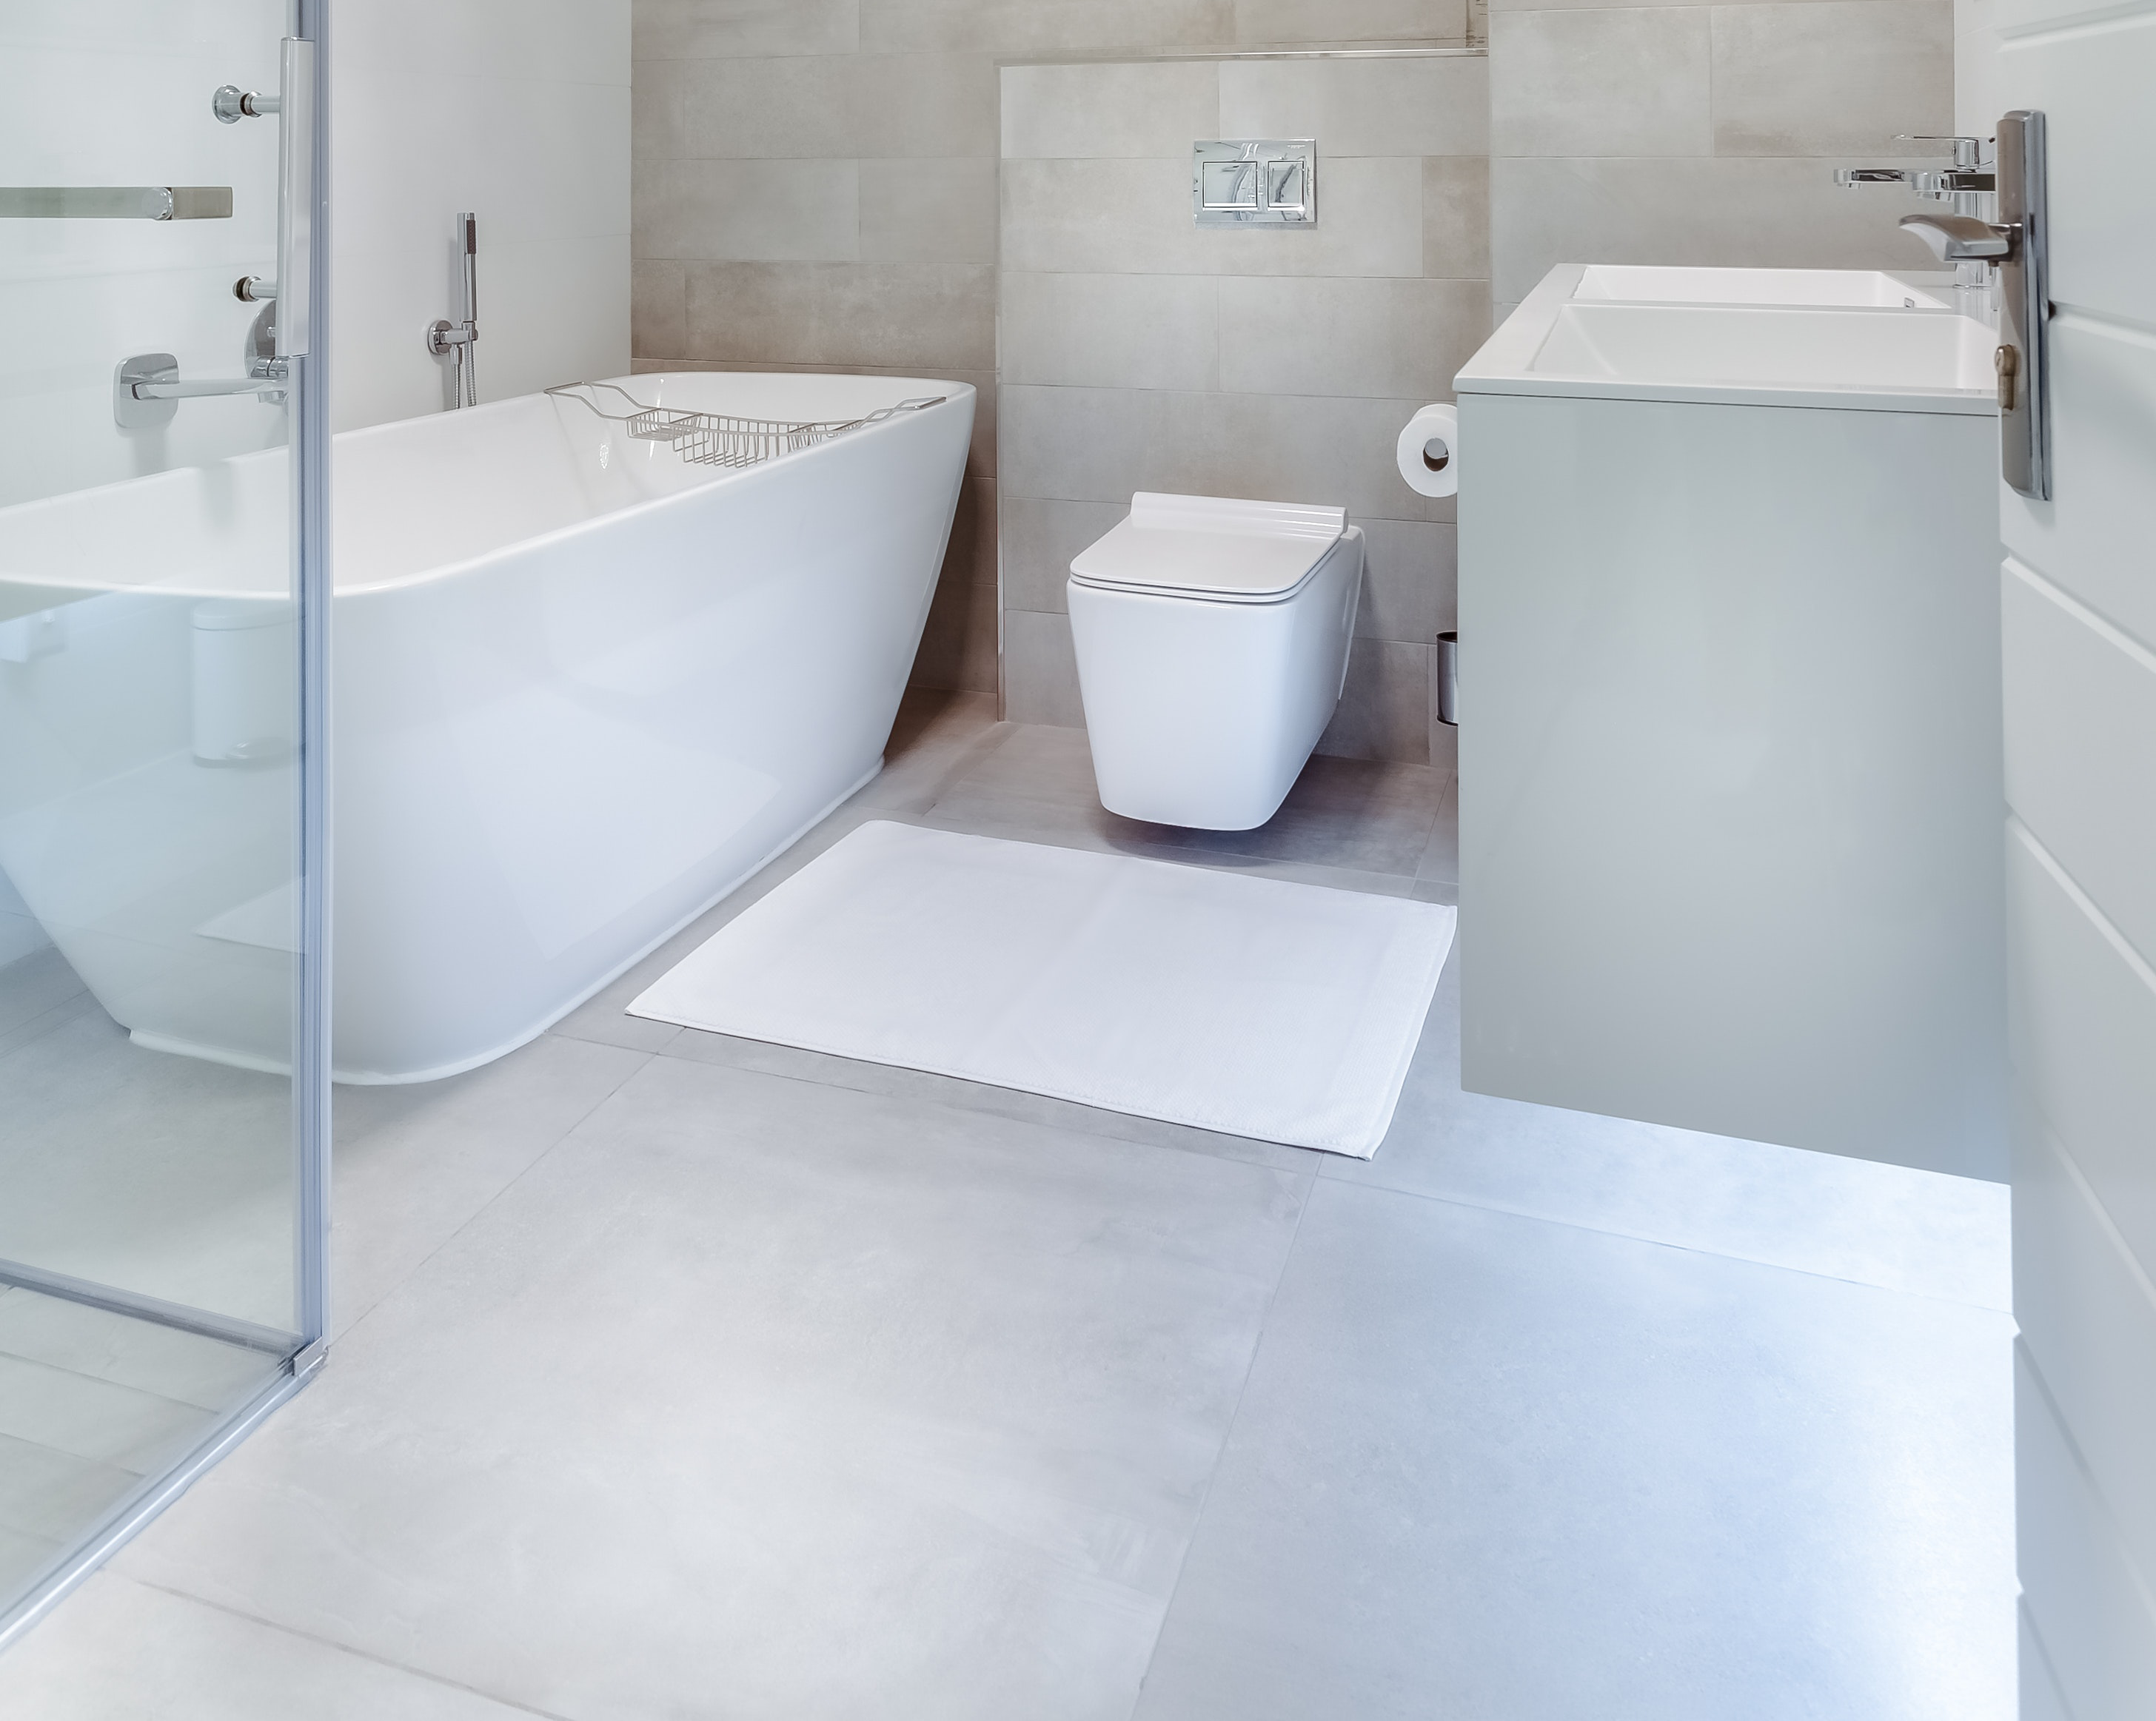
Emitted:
pixel 549 762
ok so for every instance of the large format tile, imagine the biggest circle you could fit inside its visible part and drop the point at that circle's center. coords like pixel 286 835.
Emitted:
pixel 701 29
pixel 1113 215
pixel 1042 27
pixel 207 1373
pixel 1395 340
pixel 1115 331
pixel 1102 444
pixel 415 1163
pixel 1733 211
pixel 1417 105
pixel 1491 1466
pixel 923 316
pixel 1631 81
pixel 918 211
pixel 1280 23
pixel 748 212
pixel 831 1403
pixel 1153 108
pixel 121 1651
pixel 1831 77
pixel 1919 1233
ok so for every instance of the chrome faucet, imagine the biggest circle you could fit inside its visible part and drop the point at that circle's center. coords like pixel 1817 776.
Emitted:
pixel 1968 184
pixel 1969 175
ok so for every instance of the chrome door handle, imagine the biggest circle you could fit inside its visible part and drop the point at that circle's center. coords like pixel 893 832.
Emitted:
pixel 116 202
pixel 296 202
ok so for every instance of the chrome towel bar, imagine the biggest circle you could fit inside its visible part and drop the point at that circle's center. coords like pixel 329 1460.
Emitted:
pixel 116 202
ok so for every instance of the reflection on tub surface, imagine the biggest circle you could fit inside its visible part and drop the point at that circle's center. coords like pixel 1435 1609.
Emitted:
pixel 583 689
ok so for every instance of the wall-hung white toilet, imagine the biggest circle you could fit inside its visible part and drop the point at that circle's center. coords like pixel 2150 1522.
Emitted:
pixel 1212 638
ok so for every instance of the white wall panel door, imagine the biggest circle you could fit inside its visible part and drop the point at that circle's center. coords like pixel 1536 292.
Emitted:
pixel 2079 661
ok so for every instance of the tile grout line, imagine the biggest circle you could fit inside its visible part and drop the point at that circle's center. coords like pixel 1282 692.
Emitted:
pixel 1652 1242
pixel 1227 1433
pixel 338 1335
pixel 331 1643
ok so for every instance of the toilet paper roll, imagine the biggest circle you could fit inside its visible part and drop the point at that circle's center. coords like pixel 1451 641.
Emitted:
pixel 1429 452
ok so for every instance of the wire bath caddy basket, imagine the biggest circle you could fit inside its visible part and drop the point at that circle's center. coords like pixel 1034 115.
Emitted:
pixel 722 439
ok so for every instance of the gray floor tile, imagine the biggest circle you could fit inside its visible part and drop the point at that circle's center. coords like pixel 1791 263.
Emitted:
pixel 795 1061
pixel 1911 1231
pixel 418 1162
pixel 1355 815
pixel 206 1373
pixel 35 985
pixel 93 1419
pixel 164 1175
pixel 1441 857
pixel 1493 1467
pixel 835 1404
pixel 50 1495
pixel 123 1651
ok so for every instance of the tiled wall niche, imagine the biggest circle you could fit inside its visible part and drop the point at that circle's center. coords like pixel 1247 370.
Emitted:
pixel 1141 352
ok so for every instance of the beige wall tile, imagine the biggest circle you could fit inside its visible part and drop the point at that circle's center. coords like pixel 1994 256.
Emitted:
pixel 1437 106
pixel 747 210
pixel 896 316
pixel 924 104
pixel 1600 82
pixel 715 29
pixel 959 643
pixel 1101 444
pixel 656 106
pixel 798 105
pixel 915 210
pixel 1111 331
pixel 1043 27
pixel 1391 339
pixel 1040 539
pixel 1831 77
pixel 658 308
pixel 1133 217
pixel 1384 709
pixel 1758 210
pixel 1276 23
pixel 1410 580
pixel 1040 670
pixel 1456 217
pixel 1155 108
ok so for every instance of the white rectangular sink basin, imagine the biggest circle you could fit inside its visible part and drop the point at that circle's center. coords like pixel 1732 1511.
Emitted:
pixel 1769 345
pixel 1863 288
pixel 1564 340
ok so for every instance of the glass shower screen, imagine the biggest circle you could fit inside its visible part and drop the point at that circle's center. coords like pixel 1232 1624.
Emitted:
pixel 163 570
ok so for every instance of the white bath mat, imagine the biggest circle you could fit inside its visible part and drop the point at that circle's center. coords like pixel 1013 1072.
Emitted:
pixel 1252 1006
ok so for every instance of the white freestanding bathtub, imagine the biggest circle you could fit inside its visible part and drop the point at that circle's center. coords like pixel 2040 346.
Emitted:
pixel 583 689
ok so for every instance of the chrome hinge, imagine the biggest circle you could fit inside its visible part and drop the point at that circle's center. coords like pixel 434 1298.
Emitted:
pixel 310 1358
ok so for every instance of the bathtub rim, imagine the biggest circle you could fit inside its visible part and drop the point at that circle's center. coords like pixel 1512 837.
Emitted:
pixel 956 392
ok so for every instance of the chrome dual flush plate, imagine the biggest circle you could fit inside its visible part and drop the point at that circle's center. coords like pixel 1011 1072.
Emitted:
pixel 1266 182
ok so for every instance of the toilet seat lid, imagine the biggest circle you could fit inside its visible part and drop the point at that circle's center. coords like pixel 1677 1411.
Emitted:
pixel 1211 546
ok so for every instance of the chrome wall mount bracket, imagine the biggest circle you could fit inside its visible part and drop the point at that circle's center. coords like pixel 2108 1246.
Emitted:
pixel 1266 182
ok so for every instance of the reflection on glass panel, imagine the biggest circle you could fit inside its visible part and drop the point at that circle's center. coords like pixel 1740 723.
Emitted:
pixel 149 760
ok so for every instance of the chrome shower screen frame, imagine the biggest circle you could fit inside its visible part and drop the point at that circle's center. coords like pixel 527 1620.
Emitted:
pixel 304 347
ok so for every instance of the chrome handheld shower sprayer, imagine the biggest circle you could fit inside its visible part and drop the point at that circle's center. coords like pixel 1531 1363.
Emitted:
pixel 456 342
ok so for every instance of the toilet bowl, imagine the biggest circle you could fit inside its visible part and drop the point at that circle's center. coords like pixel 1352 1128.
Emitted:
pixel 1212 637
